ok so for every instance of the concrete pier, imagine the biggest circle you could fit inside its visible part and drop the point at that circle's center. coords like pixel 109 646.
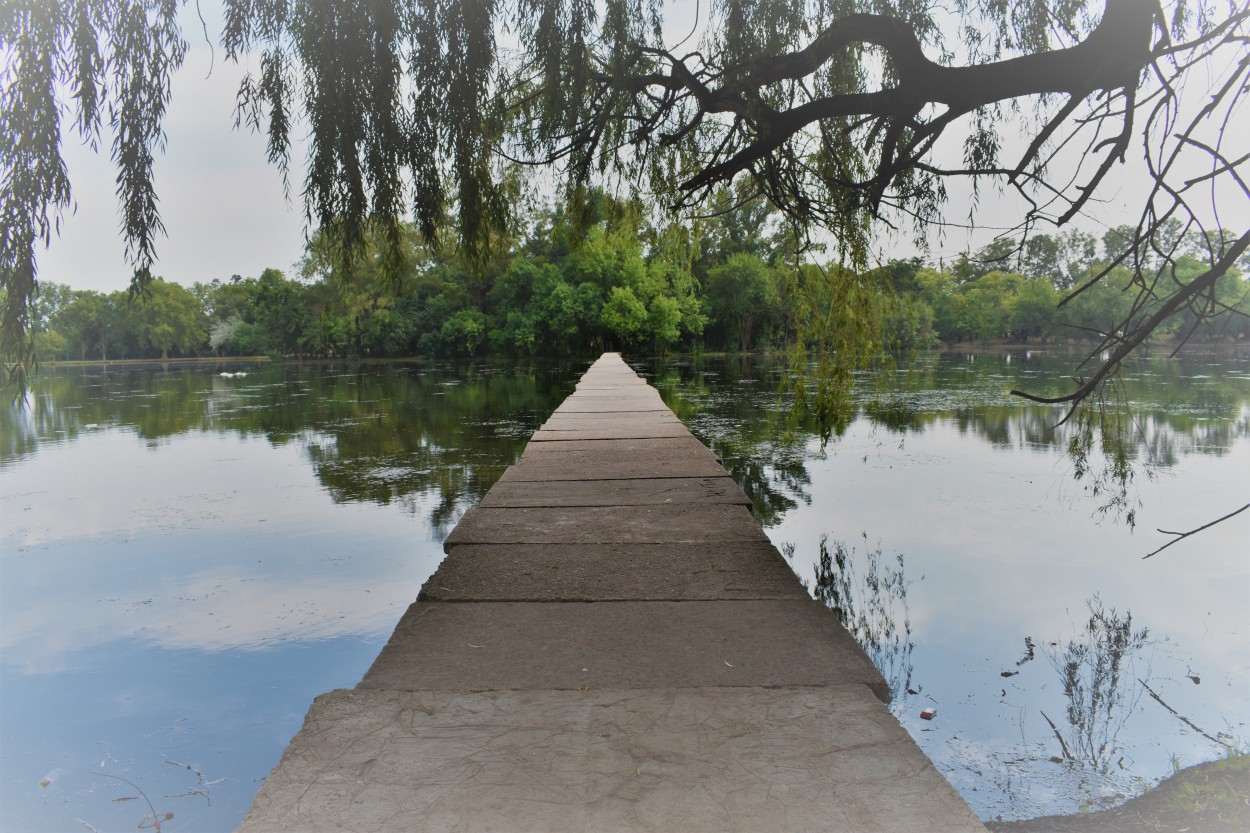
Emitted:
pixel 611 644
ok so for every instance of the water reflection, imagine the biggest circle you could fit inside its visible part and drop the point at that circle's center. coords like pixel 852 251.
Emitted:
pixel 189 558
pixel 385 434
pixel 976 488
pixel 1097 669
pixel 868 593
pixel 1179 406
pixel 214 550
pixel 1176 409
pixel 743 421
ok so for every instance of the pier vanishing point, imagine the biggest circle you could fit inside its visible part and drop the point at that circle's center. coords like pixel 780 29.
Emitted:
pixel 611 644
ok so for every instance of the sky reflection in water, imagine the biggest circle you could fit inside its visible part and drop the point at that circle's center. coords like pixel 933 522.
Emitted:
pixel 179 603
pixel 997 553
pixel 176 587
pixel 963 498
pixel 188 560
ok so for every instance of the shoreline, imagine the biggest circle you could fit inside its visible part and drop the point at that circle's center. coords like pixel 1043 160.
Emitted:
pixel 978 347
pixel 1212 797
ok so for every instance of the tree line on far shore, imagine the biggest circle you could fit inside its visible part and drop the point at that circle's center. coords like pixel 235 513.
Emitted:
pixel 577 280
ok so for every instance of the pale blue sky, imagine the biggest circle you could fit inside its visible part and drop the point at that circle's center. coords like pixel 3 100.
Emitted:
pixel 222 203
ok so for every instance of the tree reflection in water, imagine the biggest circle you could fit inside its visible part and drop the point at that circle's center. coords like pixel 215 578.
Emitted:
pixel 429 437
pixel 868 592
pixel 1096 668
pixel 745 424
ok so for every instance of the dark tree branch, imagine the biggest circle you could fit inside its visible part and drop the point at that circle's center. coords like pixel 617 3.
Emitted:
pixel 1111 57
pixel 1181 536
pixel 891 34
pixel 1043 136
pixel 1128 342
pixel 1119 147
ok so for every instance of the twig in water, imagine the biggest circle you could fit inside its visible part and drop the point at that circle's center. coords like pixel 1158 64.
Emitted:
pixel 1067 756
pixel 1179 716
pixel 199 776
pixel 155 818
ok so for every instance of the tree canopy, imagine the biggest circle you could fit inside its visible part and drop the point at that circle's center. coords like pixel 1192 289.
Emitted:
pixel 848 115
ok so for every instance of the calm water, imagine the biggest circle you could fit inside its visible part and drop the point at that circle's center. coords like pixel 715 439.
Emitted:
pixel 188 559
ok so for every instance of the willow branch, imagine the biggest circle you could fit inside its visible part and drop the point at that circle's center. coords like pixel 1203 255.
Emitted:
pixel 1181 536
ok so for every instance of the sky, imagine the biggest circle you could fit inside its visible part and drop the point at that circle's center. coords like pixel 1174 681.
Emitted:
pixel 226 213
pixel 222 203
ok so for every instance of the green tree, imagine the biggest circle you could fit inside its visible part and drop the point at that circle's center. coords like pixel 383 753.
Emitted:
pixel 988 302
pixel 738 221
pixel 1097 311
pixel 1225 312
pixel 284 316
pixel 901 274
pixel 91 321
pixel 1042 259
pixel 911 319
pixel 49 343
pixel 75 319
pixel 676 308
pixel 549 299
pixel 938 290
pixel 1078 251
pixel 606 258
pixel 408 108
pixel 1034 310
pixel 1120 242
pixel 624 315
pixel 363 293
pixel 1000 255
pixel 513 327
pixel 741 294
pixel 167 316
pixel 664 320
pixel 462 334
pixel 231 310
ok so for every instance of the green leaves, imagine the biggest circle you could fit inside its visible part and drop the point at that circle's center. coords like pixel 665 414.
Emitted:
pixel 34 185
pixel 147 48
pixel 623 314
pixel 833 112
pixel 168 317
pixel 88 58
pixel 741 293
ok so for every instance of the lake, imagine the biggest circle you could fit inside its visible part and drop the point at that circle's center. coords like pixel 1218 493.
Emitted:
pixel 187 558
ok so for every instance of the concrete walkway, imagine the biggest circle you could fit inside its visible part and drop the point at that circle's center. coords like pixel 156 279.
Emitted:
pixel 611 644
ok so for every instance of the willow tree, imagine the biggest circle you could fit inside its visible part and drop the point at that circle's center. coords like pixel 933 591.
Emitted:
pixel 850 116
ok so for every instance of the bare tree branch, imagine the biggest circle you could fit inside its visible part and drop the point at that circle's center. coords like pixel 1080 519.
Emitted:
pixel 1128 342
pixel 1181 536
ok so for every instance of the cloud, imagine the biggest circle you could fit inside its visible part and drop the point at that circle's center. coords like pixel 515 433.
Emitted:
pixel 215 610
